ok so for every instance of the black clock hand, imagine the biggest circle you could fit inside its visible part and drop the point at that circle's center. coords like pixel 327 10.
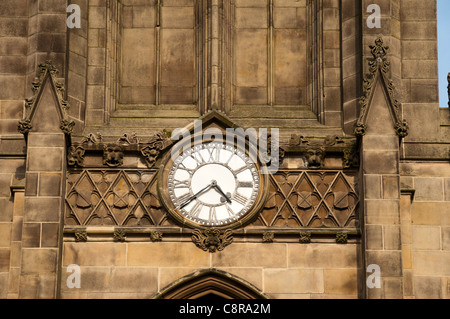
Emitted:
pixel 187 202
pixel 217 187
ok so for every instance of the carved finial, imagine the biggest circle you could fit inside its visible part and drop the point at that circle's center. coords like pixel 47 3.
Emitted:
pixel 379 52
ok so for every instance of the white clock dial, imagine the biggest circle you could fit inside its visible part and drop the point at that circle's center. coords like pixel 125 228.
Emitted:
pixel 213 184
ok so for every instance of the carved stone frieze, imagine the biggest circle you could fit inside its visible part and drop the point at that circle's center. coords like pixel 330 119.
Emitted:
pixel 315 150
pixel 212 240
pixel 114 151
pixel 323 199
pixel 110 197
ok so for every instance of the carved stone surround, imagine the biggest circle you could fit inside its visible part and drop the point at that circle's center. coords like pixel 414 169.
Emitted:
pixel 111 194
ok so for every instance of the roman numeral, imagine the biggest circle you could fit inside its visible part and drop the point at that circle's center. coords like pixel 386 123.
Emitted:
pixel 195 211
pixel 231 213
pixel 212 214
pixel 181 184
pixel 245 184
pixel 240 199
pixel 240 170
pixel 183 198
pixel 213 152
pixel 198 158
pixel 184 168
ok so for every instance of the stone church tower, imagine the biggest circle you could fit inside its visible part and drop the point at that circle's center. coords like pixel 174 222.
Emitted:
pixel 335 184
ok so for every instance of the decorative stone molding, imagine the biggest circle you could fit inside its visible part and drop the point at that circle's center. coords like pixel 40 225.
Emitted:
pixel 379 67
pixel 113 152
pixel 75 156
pixel 315 150
pixel 212 240
pixel 47 72
pixel 268 237
pixel 153 148
pixel 156 236
pixel 80 236
pixel 119 235
pixel 342 237
pixel 305 237
pixel 316 199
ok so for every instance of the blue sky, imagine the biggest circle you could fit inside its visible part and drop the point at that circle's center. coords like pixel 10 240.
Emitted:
pixel 443 12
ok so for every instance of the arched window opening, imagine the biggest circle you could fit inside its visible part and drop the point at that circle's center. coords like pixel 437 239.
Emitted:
pixel 210 284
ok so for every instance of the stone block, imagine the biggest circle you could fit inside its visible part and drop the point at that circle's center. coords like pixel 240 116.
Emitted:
pixel 380 162
pixel 166 254
pixel 445 238
pixel 134 279
pixel 31 235
pixel 426 237
pixel 430 213
pixel 382 212
pixel 249 255
pixel 372 185
pixel 88 254
pixel 340 281
pixel 391 187
pixel 374 237
pixel 5 234
pixel 50 184
pixel 5 254
pixel 447 189
pixel 50 235
pixel 7 205
pixel 31 184
pixel 293 281
pixel 39 261
pixel 429 189
pixel 392 288
pixel 390 262
pixel 431 263
pixel 322 256
pixel 38 209
pixel 51 162
pixel 91 279
pixel 427 287
pixel 392 237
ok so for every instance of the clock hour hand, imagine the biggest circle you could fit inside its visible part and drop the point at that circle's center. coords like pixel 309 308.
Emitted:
pixel 217 187
pixel 187 202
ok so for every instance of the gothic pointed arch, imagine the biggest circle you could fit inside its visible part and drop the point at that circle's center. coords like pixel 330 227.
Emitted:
pixel 210 283
pixel 379 67
pixel 46 111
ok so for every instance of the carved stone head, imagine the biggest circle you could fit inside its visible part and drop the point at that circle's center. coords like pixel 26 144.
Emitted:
pixel 315 156
pixel 113 155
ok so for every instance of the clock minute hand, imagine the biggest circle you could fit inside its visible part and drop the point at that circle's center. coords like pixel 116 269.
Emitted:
pixel 187 202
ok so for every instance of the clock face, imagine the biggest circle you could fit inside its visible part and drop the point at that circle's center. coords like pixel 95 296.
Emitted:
pixel 213 184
